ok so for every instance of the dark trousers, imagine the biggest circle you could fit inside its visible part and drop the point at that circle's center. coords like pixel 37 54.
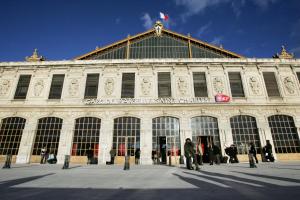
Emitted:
pixel 188 162
pixel 43 159
pixel 254 156
pixel 112 160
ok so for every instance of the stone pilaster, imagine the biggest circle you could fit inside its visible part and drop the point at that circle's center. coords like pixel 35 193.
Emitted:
pixel 225 133
pixel 65 140
pixel 146 141
pixel 106 139
pixel 185 131
pixel 27 141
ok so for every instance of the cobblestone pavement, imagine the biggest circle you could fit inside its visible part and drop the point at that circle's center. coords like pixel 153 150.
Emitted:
pixel 227 181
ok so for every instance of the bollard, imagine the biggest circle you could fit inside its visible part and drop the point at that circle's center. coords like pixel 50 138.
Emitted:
pixel 67 161
pixel 127 164
pixel 170 160
pixel 7 162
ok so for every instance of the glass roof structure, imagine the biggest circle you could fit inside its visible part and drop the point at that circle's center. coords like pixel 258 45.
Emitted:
pixel 158 43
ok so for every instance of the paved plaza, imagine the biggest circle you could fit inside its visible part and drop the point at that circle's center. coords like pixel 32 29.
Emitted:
pixel 227 181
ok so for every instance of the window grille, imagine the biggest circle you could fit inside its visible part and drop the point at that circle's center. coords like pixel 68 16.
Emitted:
pixel 128 80
pixel 284 134
pixel 22 87
pixel 164 84
pixel 200 87
pixel 86 135
pixel 56 86
pixel 91 86
pixel 244 130
pixel 126 130
pixel 236 84
pixel 10 135
pixel 47 135
pixel 271 84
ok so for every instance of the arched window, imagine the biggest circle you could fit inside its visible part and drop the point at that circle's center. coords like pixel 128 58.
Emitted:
pixel 10 135
pixel 205 130
pixel 47 135
pixel 284 134
pixel 126 135
pixel 86 135
pixel 165 137
pixel 244 130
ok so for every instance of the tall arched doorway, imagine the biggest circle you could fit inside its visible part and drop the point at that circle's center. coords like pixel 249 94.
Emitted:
pixel 126 138
pixel 284 134
pixel 11 130
pixel 205 131
pixel 86 136
pixel 165 140
pixel 47 135
pixel 244 130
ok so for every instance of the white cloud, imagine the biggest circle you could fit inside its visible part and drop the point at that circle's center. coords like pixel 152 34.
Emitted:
pixel 148 21
pixel 217 40
pixel 203 29
pixel 197 6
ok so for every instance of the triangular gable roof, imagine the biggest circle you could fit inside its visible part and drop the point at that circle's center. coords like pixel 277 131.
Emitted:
pixel 131 39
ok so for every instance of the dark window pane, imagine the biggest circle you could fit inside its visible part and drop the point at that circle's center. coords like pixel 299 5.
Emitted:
pixel 236 84
pixel 128 80
pixel 200 86
pixel 22 87
pixel 56 86
pixel 164 84
pixel 91 86
pixel 271 84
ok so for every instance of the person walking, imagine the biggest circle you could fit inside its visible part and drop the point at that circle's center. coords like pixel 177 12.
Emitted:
pixel 43 155
pixel 269 153
pixel 217 154
pixel 210 154
pixel 189 153
pixel 253 151
pixel 251 155
pixel 235 152
pixel 112 156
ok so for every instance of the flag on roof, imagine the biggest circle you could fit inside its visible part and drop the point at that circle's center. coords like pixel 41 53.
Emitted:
pixel 163 16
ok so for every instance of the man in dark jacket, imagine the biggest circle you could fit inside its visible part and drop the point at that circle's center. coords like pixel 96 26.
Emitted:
pixel 253 151
pixel 189 152
pixel 269 154
pixel 217 154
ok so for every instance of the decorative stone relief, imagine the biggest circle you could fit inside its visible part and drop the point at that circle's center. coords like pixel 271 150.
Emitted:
pixel 4 87
pixel 38 88
pixel 218 84
pixel 254 85
pixel 146 86
pixel 73 87
pixel 182 85
pixel 289 85
pixel 109 86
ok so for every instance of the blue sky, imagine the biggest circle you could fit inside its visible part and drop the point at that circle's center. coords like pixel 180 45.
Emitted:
pixel 64 29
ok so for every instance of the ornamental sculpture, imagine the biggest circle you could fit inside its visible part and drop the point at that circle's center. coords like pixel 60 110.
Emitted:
pixel 34 57
pixel 38 88
pixel 73 87
pixel 109 86
pixel 218 84
pixel 254 85
pixel 4 87
pixel 289 85
pixel 158 28
pixel 146 86
pixel 182 85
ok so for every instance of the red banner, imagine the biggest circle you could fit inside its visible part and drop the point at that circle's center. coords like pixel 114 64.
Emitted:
pixel 222 98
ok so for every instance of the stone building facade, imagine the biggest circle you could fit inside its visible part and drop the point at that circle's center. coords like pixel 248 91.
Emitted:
pixel 72 123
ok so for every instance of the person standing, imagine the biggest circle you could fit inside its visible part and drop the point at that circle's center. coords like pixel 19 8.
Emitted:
pixel 137 156
pixel 269 153
pixel 217 154
pixel 189 153
pixel 251 155
pixel 43 155
pixel 235 152
pixel 112 156
pixel 253 151
pixel 89 154
pixel 210 154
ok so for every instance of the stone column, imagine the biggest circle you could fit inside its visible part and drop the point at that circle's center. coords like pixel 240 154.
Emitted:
pixel 146 141
pixel 106 139
pixel 225 133
pixel 27 141
pixel 65 140
pixel 185 131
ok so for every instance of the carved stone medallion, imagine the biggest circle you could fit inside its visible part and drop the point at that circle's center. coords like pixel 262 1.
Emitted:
pixel 254 85
pixel 218 84
pixel 146 86
pixel 73 87
pixel 38 88
pixel 109 86
pixel 289 85
pixel 4 87
pixel 182 85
